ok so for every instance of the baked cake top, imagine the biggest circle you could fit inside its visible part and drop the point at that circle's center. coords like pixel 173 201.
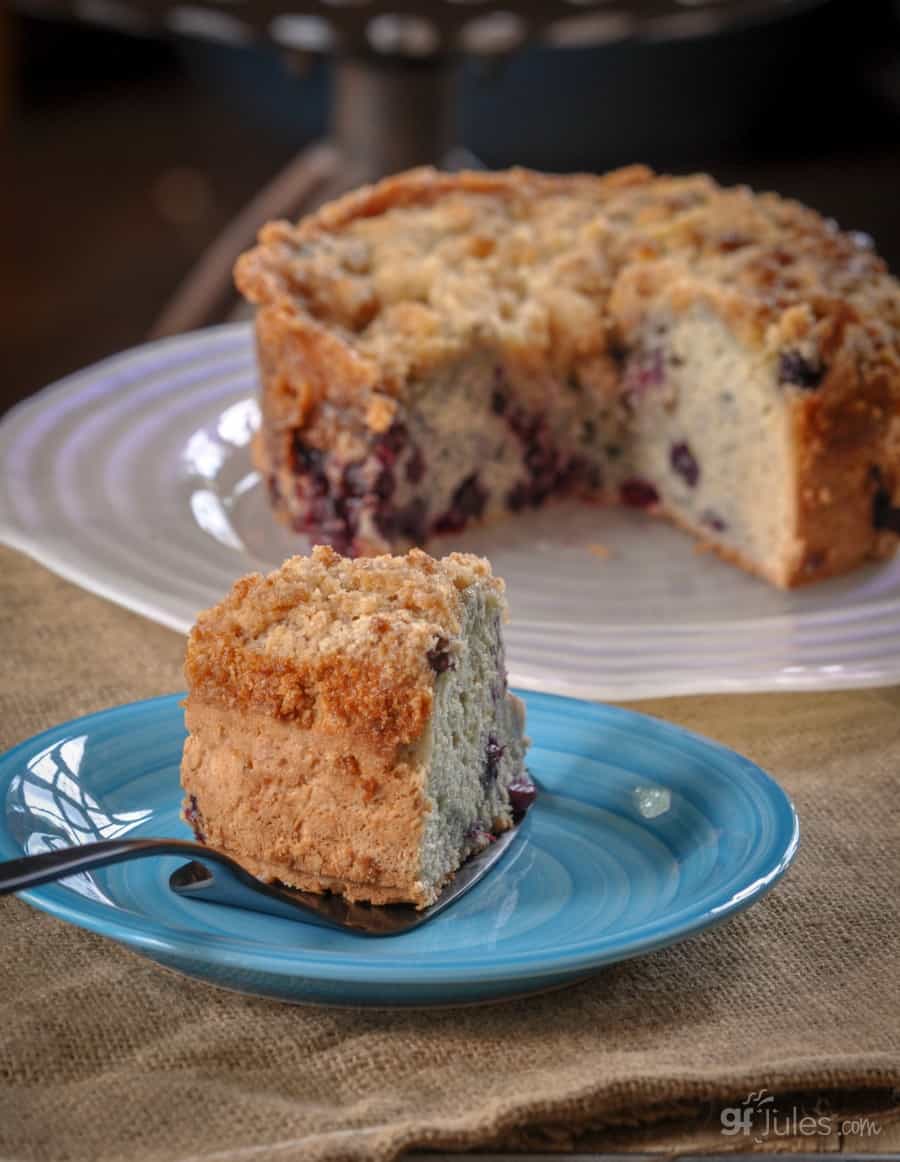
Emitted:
pixel 337 642
pixel 555 270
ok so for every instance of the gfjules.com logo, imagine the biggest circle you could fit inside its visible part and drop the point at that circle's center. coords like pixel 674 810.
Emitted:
pixel 759 1116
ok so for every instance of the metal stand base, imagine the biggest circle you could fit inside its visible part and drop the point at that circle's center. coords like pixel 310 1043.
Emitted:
pixel 388 114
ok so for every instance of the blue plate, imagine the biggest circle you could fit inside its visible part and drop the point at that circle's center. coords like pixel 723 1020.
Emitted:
pixel 644 834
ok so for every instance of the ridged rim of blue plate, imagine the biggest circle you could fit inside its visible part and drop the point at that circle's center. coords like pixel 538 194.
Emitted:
pixel 770 858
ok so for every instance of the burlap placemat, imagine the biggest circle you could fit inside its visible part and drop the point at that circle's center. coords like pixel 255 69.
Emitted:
pixel 103 1056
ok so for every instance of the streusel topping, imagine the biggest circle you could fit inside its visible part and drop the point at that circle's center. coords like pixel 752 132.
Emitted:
pixel 338 640
pixel 418 268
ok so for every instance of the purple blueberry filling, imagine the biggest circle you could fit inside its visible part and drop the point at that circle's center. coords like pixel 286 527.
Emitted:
pixel 522 793
pixel 467 502
pixel 309 465
pixel 493 753
pixel 334 508
pixel 389 446
pixel 543 467
pixel 327 521
pixel 328 515
pixel 409 521
pixel 618 353
pixel 308 461
pixel 682 460
pixel 525 424
pixel 548 473
pixel 518 497
pixel 439 656
pixel 195 819
pixel 637 493
pixel 799 371
pixel 384 484
pixel 387 449
pixel 885 514
pixel 415 467
pixel 644 371
pixel 480 835
pixel 470 498
pixel 711 519
pixel 498 395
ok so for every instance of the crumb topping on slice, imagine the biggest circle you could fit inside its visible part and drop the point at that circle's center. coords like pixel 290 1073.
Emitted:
pixel 339 642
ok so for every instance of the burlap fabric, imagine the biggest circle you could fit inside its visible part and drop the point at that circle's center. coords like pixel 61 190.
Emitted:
pixel 104 1056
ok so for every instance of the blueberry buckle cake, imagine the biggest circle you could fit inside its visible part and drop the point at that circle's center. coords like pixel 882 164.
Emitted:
pixel 349 724
pixel 440 350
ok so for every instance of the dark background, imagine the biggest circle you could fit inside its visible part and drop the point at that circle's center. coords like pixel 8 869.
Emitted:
pixel 122 158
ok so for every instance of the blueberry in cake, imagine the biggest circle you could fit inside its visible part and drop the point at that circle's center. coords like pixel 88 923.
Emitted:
pixel 439 350
pixel 349 724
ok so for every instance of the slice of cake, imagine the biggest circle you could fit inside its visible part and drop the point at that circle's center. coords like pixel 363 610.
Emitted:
pixel 350 727
pixel 439 350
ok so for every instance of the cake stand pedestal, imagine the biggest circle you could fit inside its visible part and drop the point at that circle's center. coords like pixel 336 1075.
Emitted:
pixel 393 88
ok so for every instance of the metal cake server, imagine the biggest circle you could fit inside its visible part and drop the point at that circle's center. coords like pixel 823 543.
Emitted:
pixel 218 879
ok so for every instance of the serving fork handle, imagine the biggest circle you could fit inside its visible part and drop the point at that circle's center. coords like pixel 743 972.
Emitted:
pixel 29 871
pixel 227 884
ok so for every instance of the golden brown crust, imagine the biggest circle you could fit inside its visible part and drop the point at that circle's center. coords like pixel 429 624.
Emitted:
pixel 335 644
pixel 382 285
pixel 845 437
pixel 305 806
